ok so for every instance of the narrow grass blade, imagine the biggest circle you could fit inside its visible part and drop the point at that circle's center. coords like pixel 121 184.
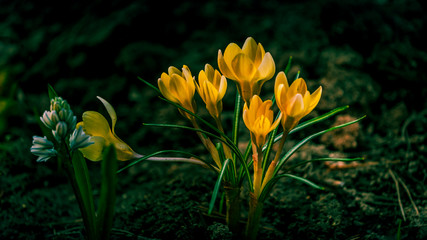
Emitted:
pixel 288 66
pixel 107 197
pixel 313 121
pixel 51 91
pixel 150 85
pixel 215 129
pixel 267 147
pixel 325 160
pixel 226 141
pixel 217 185
pixel 319 118
pixel 269 186
pixel 164 152
pixel 184 109
pixel 84 186
pixel 301 179
pixel 398 234
pixel 305 140
pixel 236 120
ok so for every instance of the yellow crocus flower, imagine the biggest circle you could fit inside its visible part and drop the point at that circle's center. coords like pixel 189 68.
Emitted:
pixel 294 101
pixel 259 119
pixel 178 86
pixel 211 88
pixel 249 66
pixel 96 126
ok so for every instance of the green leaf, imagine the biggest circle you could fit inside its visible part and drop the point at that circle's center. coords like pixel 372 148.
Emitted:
pixel 288 66
pixel 312 121
pixel 215 129
pixel 237 117
pixel 81 176
pixel 51 91
pixel 319 118
pixel 187 111
pixel 150 85
pixel 305 140
pixel 269 186
pixel 107 197
pixel 325 160
pixel 268 146
pixel 398 234
pixel 229 174
pixel 231 145
pixel 303 180
pixel 217 185
pixel 226 141
pixel 163 152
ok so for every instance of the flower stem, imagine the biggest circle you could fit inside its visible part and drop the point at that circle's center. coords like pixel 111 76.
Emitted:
pixel 269 175
pixel 232 196
pixel 255 212
pixel 207 143
pixel 89 223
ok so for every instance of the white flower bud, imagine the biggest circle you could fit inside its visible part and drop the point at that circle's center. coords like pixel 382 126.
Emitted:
pixel 43 148
pixel 79 139
pixel 61 131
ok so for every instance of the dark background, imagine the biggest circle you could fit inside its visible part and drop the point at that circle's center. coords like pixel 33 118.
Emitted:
pixel 370 55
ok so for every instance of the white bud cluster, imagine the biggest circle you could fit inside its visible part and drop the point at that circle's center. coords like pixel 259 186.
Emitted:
pixel 61 120
pixel 43 148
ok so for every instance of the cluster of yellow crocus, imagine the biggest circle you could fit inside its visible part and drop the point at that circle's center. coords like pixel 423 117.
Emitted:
pixel 249 67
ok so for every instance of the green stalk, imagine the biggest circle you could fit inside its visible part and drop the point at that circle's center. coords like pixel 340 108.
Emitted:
pixel 232 199
pixel 254 217
pixel 77 174
pixel 107 197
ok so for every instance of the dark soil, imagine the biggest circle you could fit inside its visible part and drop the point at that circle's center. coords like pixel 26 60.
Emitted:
pixel 370 55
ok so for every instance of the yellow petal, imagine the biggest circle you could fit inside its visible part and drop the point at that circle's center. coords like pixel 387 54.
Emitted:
pixel 95 124
pixel 314 100
pixel 267 67
pixel 209 71
pixel 224 68
pixel 93 152
pixel 110 111
pixel 246 117
pixel 274 125
pixel 295 106
pixel 186 73
pixel 165 90
pixel 280 94
pixel 80 124
pixel 260 53
pixel 250 48
pixel 298 86
pixel 231 52
pixel 177 88
pixel 281 86
pixel 243 67
pixel 123 151
pixel 222 87
pixel 255 103
pixel 216 79
pixel 174 70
